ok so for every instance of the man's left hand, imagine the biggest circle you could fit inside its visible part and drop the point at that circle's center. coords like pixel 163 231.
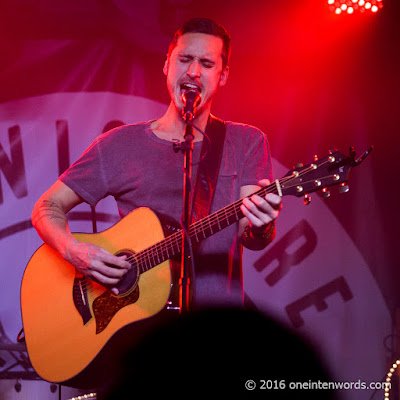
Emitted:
pixel 260 211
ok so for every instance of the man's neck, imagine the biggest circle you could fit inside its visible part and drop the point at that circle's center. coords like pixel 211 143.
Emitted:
pixel 171 125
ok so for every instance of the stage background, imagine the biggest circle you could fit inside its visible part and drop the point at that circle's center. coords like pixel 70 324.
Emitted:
pixel 309 79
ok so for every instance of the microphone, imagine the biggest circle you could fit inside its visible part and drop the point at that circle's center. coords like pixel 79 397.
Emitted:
pixel 191 98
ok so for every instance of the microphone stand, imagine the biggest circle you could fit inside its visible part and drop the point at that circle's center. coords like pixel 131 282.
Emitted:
pixel 190 98
pixel 186 260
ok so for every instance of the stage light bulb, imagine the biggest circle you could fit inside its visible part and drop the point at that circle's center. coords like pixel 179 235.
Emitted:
pixel 353 6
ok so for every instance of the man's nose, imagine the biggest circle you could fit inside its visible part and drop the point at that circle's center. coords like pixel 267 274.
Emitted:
pixel 194 70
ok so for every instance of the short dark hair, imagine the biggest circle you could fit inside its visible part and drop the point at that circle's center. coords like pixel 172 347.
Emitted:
pixel 208 26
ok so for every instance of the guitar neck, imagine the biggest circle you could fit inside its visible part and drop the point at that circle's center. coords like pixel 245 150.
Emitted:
pixel 198 231
pixel 223 218
pixel 332 170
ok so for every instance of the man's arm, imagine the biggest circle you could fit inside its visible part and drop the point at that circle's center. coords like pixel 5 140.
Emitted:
pixel 257 229
pixel 50 221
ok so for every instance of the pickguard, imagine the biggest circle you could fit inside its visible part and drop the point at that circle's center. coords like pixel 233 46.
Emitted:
pixel 107 305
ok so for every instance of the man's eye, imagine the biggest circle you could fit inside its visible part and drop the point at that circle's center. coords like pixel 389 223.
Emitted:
pixel 184 59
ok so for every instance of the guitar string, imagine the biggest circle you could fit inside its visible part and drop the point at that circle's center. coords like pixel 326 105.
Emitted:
pixel 214 218
pixel 152 252
pixel 155 250
pixel 174 240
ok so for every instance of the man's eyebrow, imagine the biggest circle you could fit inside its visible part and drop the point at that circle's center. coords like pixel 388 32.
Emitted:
pixel 203 59
pixel 207 60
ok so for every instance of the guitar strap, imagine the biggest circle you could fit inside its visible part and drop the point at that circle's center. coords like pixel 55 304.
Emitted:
pixel 207 172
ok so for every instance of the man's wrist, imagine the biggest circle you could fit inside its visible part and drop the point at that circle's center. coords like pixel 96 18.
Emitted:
pixel 265 235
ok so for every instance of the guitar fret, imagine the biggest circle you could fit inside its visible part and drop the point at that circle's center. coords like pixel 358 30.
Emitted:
pixel 226 216
pixel 237 218
pixel 166 248
pixel 177 241
pixel 209 223
pixel 174 243
pixel 158 257
pixel 154 254
pixel 145 265
pixel 219 225
pixel 148 257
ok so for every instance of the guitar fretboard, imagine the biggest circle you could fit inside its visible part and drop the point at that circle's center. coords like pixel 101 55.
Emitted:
pixel 198 231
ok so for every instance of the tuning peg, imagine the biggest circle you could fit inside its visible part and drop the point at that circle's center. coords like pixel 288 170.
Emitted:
pixel 325 193
pixel 298 165
pixel 331 151
pixel 315 157
pixel 344 188
pixel 306 200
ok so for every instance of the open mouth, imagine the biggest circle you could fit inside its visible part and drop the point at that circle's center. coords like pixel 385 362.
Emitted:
pixel 189 86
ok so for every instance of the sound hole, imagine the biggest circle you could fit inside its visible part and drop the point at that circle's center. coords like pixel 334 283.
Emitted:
pixel 129 282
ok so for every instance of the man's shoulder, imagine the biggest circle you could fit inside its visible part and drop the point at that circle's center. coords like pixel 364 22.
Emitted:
pixel 240 130
pixel 127 129
pixel 121 134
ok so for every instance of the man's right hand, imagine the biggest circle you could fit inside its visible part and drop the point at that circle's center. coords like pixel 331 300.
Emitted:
pixel 97 263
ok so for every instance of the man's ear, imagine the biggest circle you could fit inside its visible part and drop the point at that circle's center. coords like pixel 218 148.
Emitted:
pixel 224 76
pixel 166 65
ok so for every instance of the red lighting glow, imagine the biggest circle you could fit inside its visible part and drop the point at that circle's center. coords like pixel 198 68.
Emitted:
pixel 352 6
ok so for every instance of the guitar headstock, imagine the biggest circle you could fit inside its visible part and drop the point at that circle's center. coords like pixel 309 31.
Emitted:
pixel 321 174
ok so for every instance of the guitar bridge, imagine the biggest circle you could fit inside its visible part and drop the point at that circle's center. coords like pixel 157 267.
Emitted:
pixel 80 298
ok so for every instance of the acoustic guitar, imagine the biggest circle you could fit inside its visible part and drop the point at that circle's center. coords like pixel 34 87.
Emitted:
pixel 68 319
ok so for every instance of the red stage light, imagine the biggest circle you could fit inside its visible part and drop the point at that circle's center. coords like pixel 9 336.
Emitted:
pixel 338 6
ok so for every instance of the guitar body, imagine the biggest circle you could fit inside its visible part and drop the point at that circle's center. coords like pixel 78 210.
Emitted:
pixel 60 342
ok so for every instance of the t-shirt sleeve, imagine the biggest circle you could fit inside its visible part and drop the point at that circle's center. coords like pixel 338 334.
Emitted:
pixel 86 175
pixel 258 164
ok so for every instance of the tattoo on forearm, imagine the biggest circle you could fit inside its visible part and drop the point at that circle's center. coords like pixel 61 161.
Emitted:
pixel 48 209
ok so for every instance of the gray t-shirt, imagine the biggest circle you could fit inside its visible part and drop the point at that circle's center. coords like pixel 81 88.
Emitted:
pixel 139 169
